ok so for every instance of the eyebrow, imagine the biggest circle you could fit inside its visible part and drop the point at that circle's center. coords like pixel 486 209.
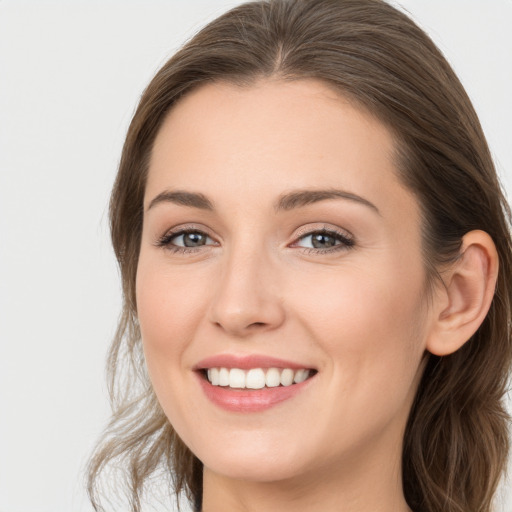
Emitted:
pixel 286 202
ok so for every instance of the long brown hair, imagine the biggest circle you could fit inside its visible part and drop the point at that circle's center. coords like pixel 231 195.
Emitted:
pixel 456 441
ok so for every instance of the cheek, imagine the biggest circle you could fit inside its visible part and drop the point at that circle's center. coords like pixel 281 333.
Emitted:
pixel 166 297
pixel 353 300
pixel 370 323
pixel 170 306
pixel 370 326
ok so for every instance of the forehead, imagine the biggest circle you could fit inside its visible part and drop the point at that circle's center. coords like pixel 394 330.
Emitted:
pixel 274 135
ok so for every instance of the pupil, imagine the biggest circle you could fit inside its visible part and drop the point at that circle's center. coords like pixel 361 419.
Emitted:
pixel 193 239
pixel 324 240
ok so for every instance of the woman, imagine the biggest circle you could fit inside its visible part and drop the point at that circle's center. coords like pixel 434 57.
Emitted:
pixel 315 253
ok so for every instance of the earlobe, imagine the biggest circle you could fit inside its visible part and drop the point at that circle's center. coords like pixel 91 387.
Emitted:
pixel 462 304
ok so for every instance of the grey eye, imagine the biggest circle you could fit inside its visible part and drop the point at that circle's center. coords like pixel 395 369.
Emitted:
pixel 190 239
pixel 319 240
pixel 322 241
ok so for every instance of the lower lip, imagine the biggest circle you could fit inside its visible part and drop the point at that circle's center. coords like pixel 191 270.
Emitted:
pixel 254 400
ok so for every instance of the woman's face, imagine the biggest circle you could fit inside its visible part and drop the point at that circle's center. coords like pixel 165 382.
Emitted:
pixel 277 238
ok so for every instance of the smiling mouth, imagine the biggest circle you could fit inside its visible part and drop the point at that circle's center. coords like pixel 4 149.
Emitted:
pixel 256 378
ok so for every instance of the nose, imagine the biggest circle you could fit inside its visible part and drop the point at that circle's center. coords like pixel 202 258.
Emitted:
pixel 247 298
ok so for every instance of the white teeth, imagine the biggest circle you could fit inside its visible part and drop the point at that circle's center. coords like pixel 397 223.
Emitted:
pixel 214 376
pixel 273 378
pixel 300 376
pixel 287 377
pixel 236 378
pixel 255 378
pixel 223 377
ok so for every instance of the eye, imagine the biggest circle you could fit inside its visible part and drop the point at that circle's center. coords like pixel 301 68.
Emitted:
pixel 185 240
pixel 325 240
pixel 318 241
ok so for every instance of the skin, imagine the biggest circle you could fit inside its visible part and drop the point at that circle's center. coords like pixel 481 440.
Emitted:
pixel 358 315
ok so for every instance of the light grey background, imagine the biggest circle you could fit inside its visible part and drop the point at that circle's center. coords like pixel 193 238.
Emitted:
pixel 71 73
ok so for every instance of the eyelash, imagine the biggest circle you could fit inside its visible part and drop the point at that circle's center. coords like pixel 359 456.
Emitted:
pixel 346 242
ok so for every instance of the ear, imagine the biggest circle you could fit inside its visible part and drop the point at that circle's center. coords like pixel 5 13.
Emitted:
pixel 463 299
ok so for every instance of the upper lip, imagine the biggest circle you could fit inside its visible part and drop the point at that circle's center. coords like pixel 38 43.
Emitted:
pixel 246 362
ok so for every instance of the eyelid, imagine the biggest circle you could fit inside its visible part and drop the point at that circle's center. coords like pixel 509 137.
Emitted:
pixel 323 228
pixel 187 228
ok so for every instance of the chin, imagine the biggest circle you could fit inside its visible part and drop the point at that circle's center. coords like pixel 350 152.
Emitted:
pixel 257 469
pixel 255 459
